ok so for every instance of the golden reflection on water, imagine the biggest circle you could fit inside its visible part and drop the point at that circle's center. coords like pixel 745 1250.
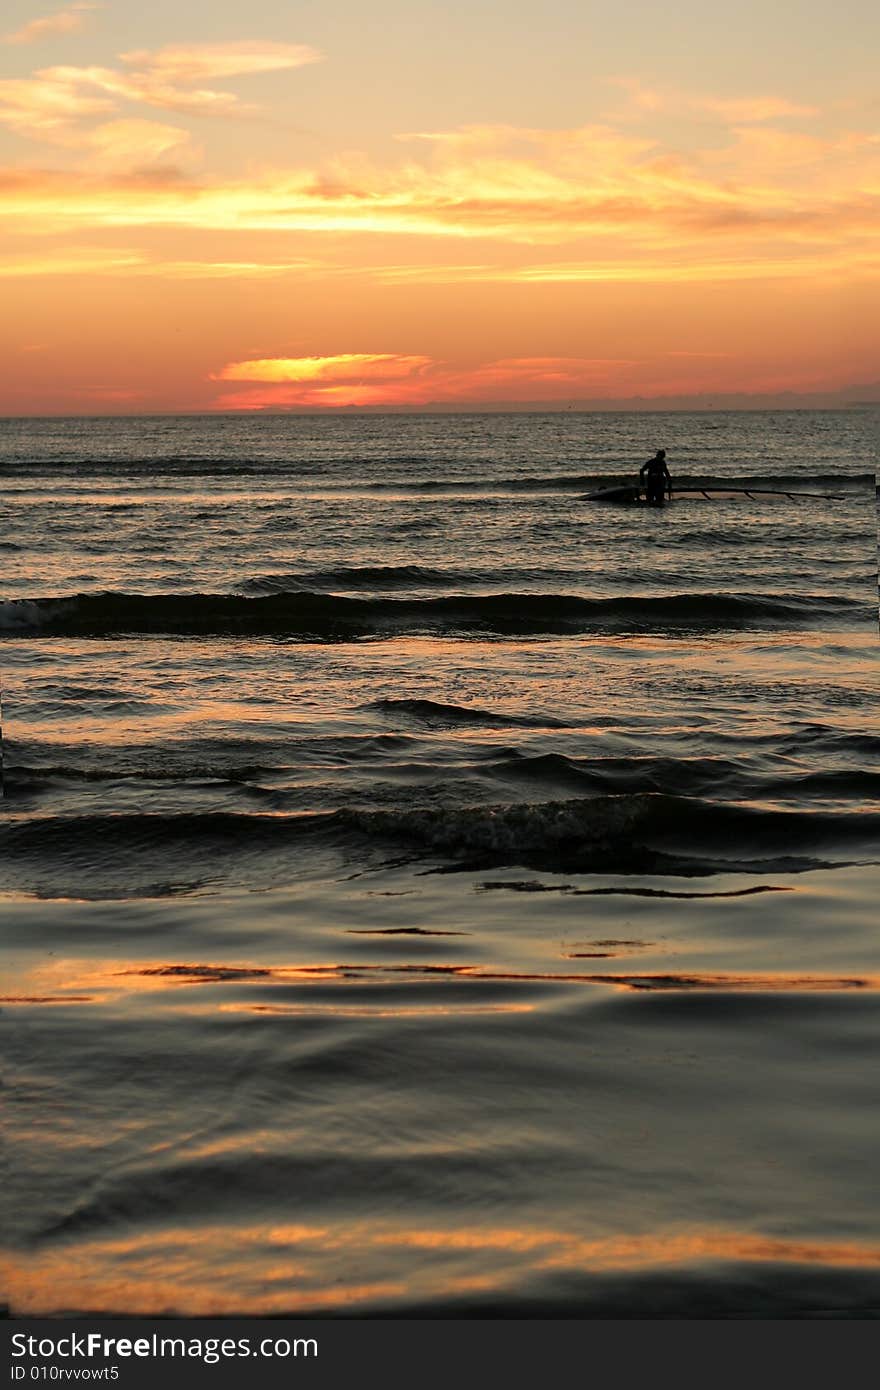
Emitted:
pixel 301 1267
pixel 373 1011
pixel 74 981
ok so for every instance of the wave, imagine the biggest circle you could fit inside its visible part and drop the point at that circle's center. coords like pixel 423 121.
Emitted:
pixel 378 578
pixel 641 833
pixel 244 758
pixel 433 714
pixel 176 465
pixel 718 777
pixel 314 473
pixel 831 740
pixel 328 617
pixel 563 482
pixel 360 576
pixel 791 481
pixel 551 482
pixel 616 775
pixel 512 773
pixel 625 830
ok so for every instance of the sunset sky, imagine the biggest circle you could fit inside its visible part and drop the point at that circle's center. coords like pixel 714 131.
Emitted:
pixel 212 206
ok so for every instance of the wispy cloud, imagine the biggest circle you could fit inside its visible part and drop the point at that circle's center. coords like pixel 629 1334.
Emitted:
pixel 797 263
pixel 234 270
pixel 746 109
pixel 63 114
pixel 738 110
pixel 753 194
pixel 169 77
pixel 66 21
pixel 47 109
pixel 121 261
pixel 74 261
pixel 137 144
pixel 185 64
pixel 767 202
pixel 48 104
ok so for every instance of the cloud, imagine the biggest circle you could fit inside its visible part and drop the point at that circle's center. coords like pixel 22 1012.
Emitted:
pixel 74 261
pixel 167 77
pixel 416 382
pixel 801 264
pixel 233 270
pixel 47 108
pixel 735 110
pixel 123 261
pixel 137 144
pixel 609 203
pixel 189 63
pixel 740 110
pixel 349 366
pixel 391 379
pixel 583 205
pixel 56 111
pixel 65 21
pixel 48 104
pixel 764 149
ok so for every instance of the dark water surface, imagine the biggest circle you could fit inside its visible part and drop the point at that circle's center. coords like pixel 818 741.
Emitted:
pixel 426 890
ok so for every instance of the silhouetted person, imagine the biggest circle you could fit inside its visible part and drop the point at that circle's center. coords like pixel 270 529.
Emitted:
pixel 656 477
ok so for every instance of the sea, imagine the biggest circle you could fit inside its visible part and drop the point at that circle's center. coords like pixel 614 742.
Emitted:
pixel 428 892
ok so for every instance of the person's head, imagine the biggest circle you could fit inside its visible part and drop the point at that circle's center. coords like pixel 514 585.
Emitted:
pixel 661 454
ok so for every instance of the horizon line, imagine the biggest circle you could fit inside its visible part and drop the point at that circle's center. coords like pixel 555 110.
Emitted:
pixel 743 402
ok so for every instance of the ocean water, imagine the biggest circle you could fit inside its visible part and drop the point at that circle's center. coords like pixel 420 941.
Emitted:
pixel 426 891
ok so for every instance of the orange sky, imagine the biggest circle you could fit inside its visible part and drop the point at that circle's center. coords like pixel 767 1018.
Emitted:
pixel 317 212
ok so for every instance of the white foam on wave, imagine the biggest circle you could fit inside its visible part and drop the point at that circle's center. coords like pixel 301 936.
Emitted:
pixel 511 827
pixel 24 614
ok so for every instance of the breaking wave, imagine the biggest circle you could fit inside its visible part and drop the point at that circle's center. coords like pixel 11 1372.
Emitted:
pixel 314 473
pixel 641 833
pixel 328 617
